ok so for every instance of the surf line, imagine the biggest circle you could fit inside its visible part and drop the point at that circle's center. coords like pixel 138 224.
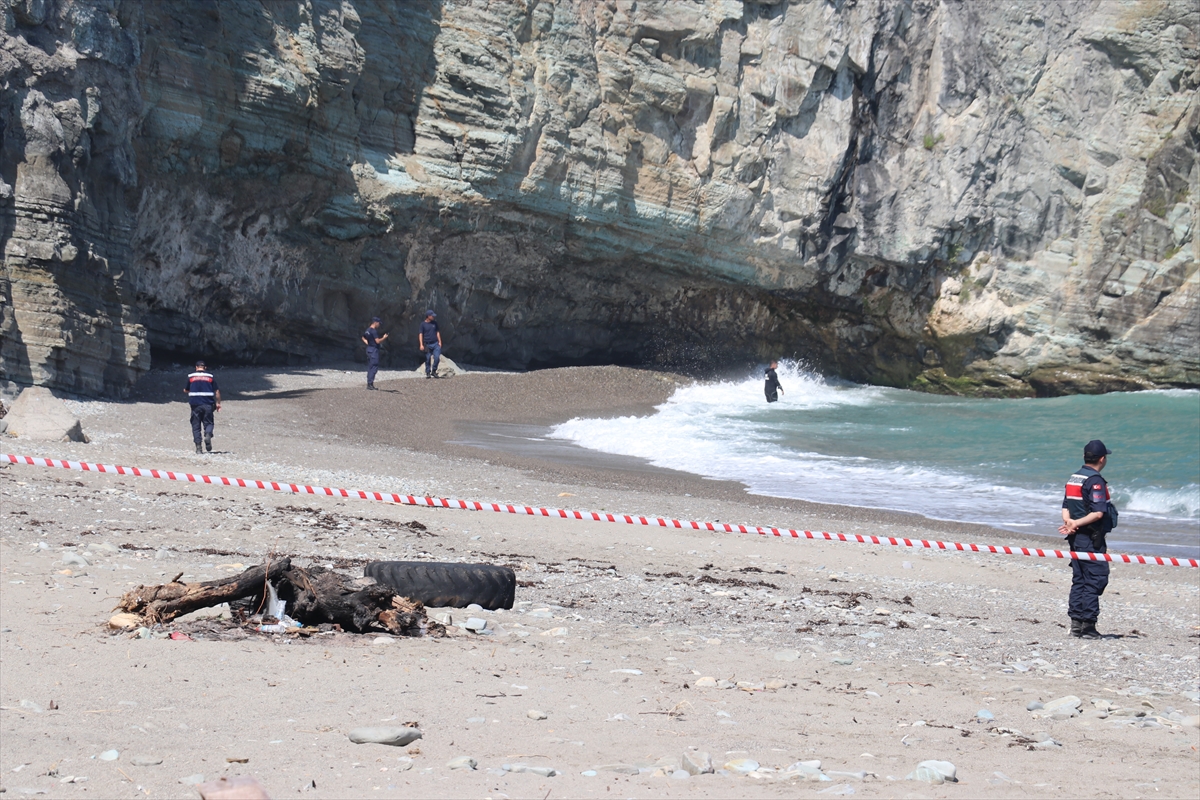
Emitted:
pixel 594 516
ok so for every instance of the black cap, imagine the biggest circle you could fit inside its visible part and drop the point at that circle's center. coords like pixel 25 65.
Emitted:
pixel 1094 449
pixel 201 363
pixel 376 319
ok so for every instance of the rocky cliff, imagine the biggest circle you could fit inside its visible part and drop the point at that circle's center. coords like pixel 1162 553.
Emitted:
pixel 994 196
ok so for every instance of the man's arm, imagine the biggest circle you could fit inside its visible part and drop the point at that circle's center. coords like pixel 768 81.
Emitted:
pixel 1069 525
pixel 364 341
pixel 217 394
pixel 381 338
pixel 439 335
pixel 420 340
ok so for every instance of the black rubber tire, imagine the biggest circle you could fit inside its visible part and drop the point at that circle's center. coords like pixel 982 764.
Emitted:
pixel 440 585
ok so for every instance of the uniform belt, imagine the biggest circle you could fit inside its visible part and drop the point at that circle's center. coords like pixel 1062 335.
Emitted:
pixel 200 394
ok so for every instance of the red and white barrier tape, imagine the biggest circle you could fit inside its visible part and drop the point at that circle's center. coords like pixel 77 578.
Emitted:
pixel 473 505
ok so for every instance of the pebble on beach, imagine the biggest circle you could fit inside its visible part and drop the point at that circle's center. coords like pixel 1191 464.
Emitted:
pixel 935 772
pixel 396 737
pixel 697 763
pixel 533 713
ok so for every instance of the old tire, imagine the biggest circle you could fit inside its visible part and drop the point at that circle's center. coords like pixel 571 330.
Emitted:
pixel 456 585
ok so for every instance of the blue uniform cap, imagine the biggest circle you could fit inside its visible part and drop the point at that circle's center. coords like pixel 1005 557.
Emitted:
pixel 1094 449
pixel 376 319
pixel 201 364
pixel 430 313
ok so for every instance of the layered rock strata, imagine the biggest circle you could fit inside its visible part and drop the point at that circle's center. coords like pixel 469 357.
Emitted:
pixel 978 197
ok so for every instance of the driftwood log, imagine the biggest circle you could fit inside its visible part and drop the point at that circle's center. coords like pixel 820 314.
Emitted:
pixel 314 596
pixel 167 601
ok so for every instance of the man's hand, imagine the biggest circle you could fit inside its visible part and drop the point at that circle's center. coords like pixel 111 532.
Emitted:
pixel 1067 528
pixel 218 407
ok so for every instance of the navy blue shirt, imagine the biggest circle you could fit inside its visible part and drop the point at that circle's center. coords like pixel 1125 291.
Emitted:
pixel 372 337
pixel 429 332
pixel 202 388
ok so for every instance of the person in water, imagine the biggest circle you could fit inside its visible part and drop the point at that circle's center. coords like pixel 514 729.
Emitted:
pixel 773 389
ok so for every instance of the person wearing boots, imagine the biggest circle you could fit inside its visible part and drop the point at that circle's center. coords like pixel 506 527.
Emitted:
pixel 373 340
pixel 1088 515
pixel 205 399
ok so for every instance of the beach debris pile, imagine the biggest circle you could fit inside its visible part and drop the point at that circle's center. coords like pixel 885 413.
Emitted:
pixel 279 597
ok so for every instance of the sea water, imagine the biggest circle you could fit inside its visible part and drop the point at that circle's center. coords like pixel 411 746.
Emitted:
pixel 997 462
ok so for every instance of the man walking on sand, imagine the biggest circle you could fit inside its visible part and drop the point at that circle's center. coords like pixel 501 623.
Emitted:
pixel 373 340
pixel 205 399
pixel 430 339
pixel 1088 515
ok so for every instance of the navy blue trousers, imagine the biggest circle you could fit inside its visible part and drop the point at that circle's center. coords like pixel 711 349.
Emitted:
pixel 1089 579
pixel 202 420
pixel 433 357
pixel 372 364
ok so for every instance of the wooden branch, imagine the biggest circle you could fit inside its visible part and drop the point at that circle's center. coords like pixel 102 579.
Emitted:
pixel 166 602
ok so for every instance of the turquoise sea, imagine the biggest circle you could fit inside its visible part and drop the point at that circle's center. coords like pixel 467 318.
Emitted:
pixel 997 462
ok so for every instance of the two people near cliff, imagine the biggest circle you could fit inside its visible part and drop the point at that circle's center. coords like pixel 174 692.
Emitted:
pixel 429 342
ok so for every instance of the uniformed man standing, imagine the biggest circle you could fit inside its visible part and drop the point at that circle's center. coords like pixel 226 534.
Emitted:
pixel 1088 515
pixel 205 399
pixel 373 340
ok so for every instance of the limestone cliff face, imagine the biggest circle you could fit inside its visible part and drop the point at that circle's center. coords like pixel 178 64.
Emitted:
pixel 983 197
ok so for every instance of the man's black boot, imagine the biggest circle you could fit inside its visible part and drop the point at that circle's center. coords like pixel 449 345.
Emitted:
pixel 208 443
pixel 1089 630
pixel 1076 628
pixel 199 448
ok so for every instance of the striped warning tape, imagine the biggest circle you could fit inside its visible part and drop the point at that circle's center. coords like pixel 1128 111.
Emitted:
pixel 560 513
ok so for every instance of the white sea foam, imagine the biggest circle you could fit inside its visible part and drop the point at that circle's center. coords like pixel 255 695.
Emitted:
pixel 724 430
pixel 1182 502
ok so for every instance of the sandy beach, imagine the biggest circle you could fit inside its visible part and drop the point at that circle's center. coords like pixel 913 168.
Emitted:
pixel 643 648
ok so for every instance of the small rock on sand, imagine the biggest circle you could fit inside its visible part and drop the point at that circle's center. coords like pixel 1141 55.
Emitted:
pixel 74 560
pixel 533 713
pixel 707 682
pixel 1068 705
pixel 192 780
pixel 697 763
pixel 146 761
pixel 532 769
pixel 462 762
pixel 620 769
pixel 787 655
pixel 109 755
pixel 1034 705
pixel 934 772
pixel 741 766
pixel 396 737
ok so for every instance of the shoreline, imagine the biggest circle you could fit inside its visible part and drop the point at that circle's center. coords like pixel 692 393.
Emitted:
pixel 463 432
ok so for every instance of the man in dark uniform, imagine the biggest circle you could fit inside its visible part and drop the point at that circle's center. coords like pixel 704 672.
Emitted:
pixel 205 399
pixel 1088 515
pixel 430 339
pixel 373 340
pixel 773 389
